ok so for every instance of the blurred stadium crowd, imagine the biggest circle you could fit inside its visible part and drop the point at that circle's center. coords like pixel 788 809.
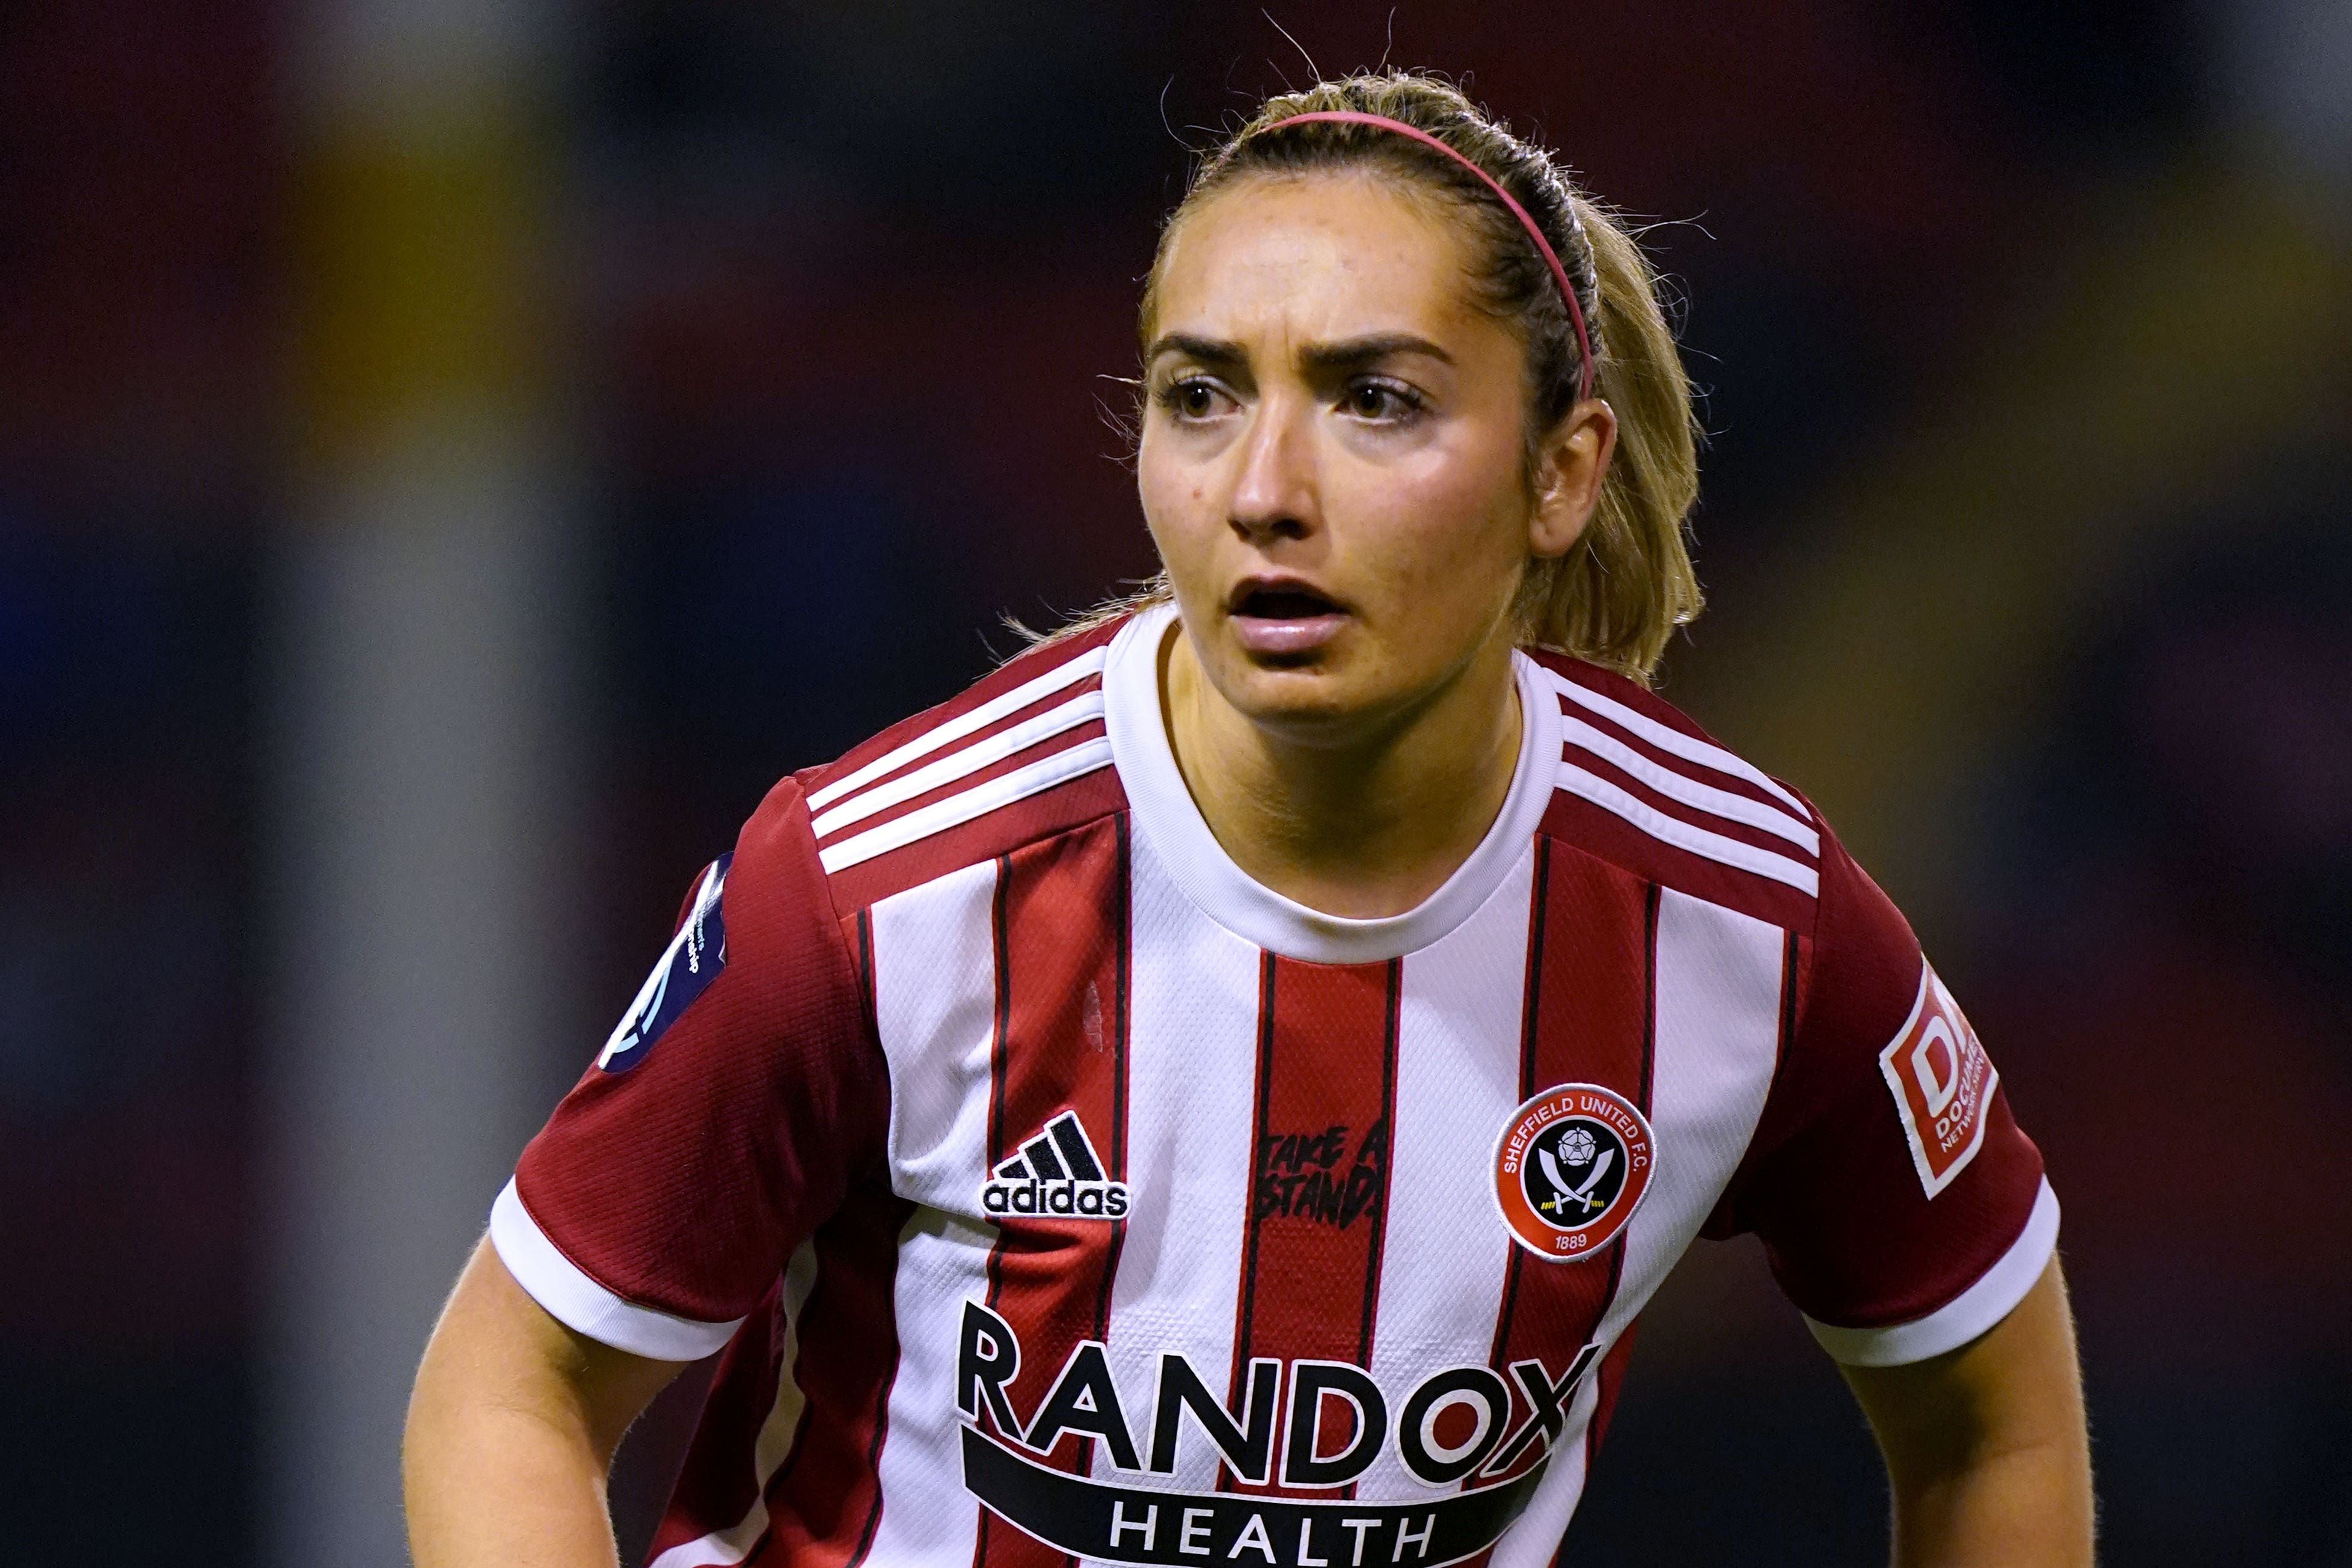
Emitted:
pixel 453 459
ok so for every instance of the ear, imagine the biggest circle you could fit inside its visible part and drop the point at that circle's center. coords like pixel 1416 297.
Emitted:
pixel 1570 466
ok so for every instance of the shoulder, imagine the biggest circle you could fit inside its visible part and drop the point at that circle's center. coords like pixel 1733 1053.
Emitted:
pixel 1643 786
pixel 1020 755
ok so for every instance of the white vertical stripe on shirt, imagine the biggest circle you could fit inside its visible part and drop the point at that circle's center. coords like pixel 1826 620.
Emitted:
pixel 935 1006
pixel 1191 1069
pixel 722 1548
pixel 1445 1254
pixel 927 1515
pixel 1718 1033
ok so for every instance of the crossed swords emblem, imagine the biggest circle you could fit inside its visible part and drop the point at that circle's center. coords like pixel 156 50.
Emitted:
pixel 1563 1194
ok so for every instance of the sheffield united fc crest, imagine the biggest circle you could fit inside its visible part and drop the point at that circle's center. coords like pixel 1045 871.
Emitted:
pixel 1570 1168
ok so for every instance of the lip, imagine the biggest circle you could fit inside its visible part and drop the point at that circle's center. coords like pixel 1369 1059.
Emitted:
pixel 1282 635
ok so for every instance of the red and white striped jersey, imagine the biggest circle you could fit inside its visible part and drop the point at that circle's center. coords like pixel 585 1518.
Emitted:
pixel 1055 1191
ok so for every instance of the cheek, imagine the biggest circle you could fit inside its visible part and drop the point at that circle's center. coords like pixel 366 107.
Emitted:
pixel 1443 529
pixel 1177 508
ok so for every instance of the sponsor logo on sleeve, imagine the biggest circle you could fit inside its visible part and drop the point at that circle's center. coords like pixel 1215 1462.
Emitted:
pixel 1309 1425
pixel 693 959
pixel 1570 1168
pixel 1942 1080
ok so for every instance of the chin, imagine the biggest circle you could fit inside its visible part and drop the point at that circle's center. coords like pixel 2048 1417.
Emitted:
pixel 1304 697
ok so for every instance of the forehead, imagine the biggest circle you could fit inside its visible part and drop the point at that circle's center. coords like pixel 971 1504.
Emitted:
pixel 1322 255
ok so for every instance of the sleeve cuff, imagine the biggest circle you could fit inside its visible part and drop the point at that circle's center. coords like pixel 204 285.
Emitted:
pixel 1965 1316
pixel 572 1298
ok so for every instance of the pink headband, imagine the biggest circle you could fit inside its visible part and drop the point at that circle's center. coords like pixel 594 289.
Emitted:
pixel 1559 273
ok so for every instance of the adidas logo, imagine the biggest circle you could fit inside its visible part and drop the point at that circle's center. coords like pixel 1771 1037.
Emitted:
pixel 1056 1174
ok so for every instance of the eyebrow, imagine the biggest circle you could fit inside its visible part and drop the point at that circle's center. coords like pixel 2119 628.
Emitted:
pixel 1345 354
pixel 1349 352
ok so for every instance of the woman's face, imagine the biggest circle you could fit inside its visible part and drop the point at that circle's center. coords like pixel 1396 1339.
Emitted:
pixel 1332 454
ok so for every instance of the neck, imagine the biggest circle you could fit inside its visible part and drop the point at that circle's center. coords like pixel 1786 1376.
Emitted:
pixel 1364 827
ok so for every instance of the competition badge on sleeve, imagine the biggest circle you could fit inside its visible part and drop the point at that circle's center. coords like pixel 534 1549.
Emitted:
pixel 1941 1079
pixel 693 959
pixel 1570 1168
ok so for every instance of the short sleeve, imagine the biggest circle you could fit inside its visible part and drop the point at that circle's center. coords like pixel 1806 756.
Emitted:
pixel 1900 1206
pixel 722 1122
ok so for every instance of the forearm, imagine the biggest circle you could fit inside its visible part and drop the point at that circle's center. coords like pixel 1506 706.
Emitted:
pixel 1985 1446
pixel 488 1485
pixel 2025 1506
pixel 511 1432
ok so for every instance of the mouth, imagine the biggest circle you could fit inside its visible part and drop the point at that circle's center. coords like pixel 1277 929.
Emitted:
pixel 1279 617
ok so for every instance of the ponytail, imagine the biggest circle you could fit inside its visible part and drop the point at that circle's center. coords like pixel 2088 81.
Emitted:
pixel 1616 597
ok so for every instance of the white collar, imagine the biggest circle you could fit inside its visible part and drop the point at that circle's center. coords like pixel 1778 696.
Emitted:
pixel 1165 814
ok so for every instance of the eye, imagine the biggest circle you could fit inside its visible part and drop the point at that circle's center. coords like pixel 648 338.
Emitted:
pixel 1385 401
pixel 1191 398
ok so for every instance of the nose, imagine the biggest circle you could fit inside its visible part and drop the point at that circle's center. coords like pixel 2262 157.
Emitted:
pixel 1274 495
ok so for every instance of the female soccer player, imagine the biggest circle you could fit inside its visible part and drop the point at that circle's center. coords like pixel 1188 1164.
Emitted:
pixel 1221 1089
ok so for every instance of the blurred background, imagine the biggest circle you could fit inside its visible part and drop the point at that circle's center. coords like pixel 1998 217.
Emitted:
pixel 453 457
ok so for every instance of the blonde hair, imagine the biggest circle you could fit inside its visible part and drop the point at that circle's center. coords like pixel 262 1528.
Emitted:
pixel 1616 597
